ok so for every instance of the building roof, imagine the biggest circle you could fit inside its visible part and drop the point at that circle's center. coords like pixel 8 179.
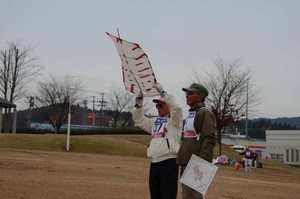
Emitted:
pixel 6 104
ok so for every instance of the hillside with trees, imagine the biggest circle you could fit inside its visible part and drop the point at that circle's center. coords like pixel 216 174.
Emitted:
pixel 257 127
pixel 292 121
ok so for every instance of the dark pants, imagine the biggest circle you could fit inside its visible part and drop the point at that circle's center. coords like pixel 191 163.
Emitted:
pixel 163 179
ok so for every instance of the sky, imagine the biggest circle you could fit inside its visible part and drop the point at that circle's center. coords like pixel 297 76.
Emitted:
pixel 178 36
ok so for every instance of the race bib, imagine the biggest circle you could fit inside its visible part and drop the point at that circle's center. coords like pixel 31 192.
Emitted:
pixel 189 130
pixel 158 130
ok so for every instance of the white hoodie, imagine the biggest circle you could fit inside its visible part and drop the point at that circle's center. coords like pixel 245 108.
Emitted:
pixel 166 131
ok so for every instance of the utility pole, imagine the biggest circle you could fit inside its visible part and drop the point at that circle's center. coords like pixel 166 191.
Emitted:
pixel 84 115
pixel 102 105
pixel 247 109
pixel 94 111
pixel 31 104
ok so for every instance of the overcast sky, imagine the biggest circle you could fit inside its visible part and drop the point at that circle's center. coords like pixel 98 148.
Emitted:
pixel 69 38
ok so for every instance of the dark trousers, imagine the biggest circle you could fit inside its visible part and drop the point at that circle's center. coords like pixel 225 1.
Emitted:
pixel 163 179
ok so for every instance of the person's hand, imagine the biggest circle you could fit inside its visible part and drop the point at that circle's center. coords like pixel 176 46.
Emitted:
pixel 159 89
pixel 139 100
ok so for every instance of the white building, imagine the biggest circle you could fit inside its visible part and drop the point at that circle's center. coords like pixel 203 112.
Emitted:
pixel 256 145
pixel 283 146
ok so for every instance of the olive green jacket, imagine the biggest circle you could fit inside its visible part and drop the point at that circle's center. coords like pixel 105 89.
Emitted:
pixel 205 124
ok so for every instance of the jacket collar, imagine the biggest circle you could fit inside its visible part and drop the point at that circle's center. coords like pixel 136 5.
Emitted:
pixel 197 106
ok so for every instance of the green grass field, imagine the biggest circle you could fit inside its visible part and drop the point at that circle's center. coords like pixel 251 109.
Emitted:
pixel 123 145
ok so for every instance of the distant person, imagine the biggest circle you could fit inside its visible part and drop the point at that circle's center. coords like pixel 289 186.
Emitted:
pixel 254 159
pixel 248 158
pixel 162 151
pixel 199 133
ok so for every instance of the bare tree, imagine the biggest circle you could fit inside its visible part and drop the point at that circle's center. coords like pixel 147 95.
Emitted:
pixel 17 69
pixel 119 105
pixel 228 86
pixel 53 99
pixel 120 102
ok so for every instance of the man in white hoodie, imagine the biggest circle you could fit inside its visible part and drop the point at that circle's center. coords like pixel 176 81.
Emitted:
pixel 165 131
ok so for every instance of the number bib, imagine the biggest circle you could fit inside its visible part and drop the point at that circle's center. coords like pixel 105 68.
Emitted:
pixel 158 130
pixel 189 130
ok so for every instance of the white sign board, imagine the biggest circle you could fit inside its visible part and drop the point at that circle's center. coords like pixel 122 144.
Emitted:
pixel 138 75
pixel 198 174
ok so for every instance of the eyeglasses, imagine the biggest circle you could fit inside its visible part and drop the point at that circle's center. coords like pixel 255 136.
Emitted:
pixel 159 106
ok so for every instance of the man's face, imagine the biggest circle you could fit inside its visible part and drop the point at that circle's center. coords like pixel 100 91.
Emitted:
pixel 163 109
pixel 192 98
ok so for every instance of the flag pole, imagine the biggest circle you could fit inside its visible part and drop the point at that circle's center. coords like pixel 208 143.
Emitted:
pixel 118 32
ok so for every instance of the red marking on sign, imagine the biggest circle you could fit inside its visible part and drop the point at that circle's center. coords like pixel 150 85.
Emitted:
pixel 139 64
pixel 143 55
pixel 143 69
pixel 119 39
pixel 132 88
pixel 136 46
pixel 144 76
pixel 123 74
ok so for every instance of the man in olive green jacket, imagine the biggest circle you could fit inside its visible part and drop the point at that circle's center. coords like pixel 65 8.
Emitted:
pixel 199 133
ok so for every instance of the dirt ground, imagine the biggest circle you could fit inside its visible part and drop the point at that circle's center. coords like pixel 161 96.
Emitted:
pixel 28 174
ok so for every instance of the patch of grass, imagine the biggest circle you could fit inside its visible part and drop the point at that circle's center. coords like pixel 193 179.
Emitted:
pixel 123 145
pixel 110 145
pixel 99 144
pixel 36 142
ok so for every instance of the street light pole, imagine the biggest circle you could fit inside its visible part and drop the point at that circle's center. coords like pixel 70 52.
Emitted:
pixel 69 120
pixel 247 109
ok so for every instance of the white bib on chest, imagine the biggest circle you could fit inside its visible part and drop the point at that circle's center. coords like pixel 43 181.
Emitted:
pixel 189 129
pixel 158 129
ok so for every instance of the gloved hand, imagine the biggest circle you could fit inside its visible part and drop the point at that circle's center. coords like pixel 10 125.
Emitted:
pixel 139 100
pixel 159 89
